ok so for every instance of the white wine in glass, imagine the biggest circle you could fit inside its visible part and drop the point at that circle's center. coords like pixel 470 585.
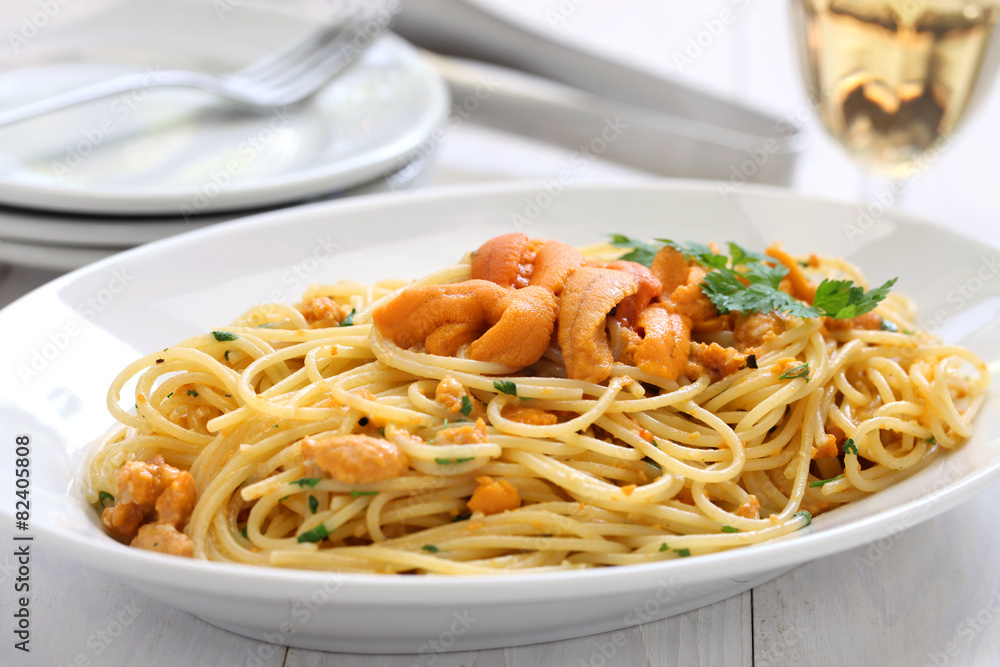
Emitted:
pixel 892 78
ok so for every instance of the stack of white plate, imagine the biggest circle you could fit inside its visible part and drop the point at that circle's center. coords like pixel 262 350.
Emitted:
pixel 86 182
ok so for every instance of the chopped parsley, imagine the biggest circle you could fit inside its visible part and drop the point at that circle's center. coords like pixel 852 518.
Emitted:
pixel 244 533
pixel 805 515
pixel 192 392
pixel 748 282
pixel 226 355
pixel 349 320
pixel 821 482
pixel 355 493
pixel 315 535
pixel 850 447
pixel 224 335
pixel 505 387
pixel 430 548
pixel 313 504
pixel 466 405
pixel 931 441
pixel 451 462
pixel 730 529
pixel 105 499
pixel 170 394
pixel 462 517
pixel 306 481
pixel 683 553
pixel 800 371
pixel 664 547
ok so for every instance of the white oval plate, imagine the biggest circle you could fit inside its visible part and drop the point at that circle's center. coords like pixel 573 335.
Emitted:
pixel 68 339
pixel 181 152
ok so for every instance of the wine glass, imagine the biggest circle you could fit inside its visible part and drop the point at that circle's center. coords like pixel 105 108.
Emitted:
pixel 891 79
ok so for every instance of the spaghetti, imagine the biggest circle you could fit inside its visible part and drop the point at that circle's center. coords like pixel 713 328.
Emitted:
pixel 385 428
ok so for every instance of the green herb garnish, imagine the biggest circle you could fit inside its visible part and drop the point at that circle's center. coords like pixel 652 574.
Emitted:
pixel 313 504
pixel 192 392
pixel 664 547
pixel 244 533
pixel 730 529
pixel 800 371
pixel 306 481
pixel 105 499
pixel 224 335
pixel 451 462
pixel 355 494
pixel 430 548
pixel 349 320
pixel 641 251
pixel 466 405
pixel 821 482
pixel 747 282
pixel 315 535
pixel 850 447
pixel 683 553
pixel 805 515
pixel 505 387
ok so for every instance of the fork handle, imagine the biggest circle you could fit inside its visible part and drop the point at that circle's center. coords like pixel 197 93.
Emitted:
pixel 124 84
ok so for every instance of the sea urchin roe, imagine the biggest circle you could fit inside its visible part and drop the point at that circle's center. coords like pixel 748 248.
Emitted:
pixel 355 458
pixel 322 312
pixel 501 325
pixel 155 494
pixel 493 497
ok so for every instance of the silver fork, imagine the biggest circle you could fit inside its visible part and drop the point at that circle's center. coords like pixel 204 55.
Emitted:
pixel 284 77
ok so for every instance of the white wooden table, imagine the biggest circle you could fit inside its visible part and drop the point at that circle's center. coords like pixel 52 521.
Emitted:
pixel 929 596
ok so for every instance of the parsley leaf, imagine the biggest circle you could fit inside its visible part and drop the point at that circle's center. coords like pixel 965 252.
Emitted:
pixel 505 387
pixel 683 553
pixel 355 494
pixel 800 371
pixel 730 529
pixel 224 335
pixel 105 499
pixel 664 547
pixel 448 462
pixel 843 300
pixel 349 320
pixel 850 447
pixel 641 251
pixel 466 405
pixel 313 504
pixel 430 548
pixel 192 392
pixel 315 535
pixel 821 482
pixel 306 481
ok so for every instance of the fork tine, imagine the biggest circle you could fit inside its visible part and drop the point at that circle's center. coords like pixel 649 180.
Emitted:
pixel 322 63
pixel 276 63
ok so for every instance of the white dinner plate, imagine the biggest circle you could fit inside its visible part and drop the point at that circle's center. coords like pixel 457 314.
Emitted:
pixel 177 151
pixel 61 241
pixel 67 340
